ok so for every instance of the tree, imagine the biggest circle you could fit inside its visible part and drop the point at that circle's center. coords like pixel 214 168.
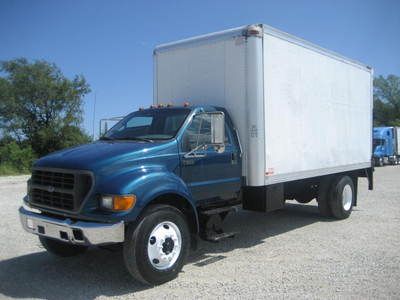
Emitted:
pixel 40 107
pixel 387 101
pixel 15 158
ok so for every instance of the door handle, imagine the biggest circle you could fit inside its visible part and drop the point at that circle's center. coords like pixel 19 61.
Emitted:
pixel 188 161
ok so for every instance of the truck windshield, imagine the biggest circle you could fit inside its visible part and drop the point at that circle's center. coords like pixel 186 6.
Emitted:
pixel 378 142
pixel 148 125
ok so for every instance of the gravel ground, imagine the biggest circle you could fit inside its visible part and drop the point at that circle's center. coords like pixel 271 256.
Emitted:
pixel 292 253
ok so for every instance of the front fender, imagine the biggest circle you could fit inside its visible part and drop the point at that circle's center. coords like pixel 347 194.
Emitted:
pixel 147 183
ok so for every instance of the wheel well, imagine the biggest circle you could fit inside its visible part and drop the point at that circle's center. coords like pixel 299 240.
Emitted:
pixel 182 204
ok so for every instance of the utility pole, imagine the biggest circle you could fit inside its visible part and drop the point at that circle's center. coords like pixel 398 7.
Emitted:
pixel 94 113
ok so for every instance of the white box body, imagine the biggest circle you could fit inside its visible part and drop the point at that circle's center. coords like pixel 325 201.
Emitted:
pixel 301 111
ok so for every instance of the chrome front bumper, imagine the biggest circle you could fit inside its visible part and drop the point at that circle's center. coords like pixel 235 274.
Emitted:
pixel 75 232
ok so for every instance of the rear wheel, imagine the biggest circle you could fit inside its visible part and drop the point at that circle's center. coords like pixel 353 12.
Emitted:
pixel 342 197
pixel 60 248
pixel 156 248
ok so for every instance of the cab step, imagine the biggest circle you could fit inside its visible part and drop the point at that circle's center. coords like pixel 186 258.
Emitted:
pixel 220 236
pixel 219 210
pixel 211 223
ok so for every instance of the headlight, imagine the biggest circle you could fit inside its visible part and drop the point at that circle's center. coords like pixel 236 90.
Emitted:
pixel 117 202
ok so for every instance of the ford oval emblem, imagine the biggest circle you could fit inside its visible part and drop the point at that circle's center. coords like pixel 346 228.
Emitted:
pixel 51 189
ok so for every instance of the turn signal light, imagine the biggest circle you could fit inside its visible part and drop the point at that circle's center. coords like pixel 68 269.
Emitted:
pixel 118 202
pixel 124 202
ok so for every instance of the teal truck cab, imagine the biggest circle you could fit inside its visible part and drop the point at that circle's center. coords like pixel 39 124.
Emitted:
pixel 145 183
pixel 255 134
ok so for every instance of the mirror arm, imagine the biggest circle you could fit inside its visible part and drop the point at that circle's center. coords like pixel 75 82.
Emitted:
pixel 192 153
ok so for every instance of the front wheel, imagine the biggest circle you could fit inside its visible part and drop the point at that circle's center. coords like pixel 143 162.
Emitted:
pixel 156 248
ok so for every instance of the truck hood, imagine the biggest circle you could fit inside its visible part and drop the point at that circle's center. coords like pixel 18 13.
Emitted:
pixel 101 153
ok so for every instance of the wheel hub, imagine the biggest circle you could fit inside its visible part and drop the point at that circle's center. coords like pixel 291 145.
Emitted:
pixel 168 246
pixel 164 245
pixel 347 197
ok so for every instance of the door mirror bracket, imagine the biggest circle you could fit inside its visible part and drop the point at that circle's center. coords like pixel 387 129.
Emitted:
pixel 194 154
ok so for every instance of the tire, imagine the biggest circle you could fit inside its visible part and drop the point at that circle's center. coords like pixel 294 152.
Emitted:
pixel 160 226
pixel 323 197
pixel 60 248
pixel 342 197
pixel 381 162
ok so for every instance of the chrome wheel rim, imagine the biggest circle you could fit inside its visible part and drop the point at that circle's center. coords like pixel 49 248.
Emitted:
pixel 347 197
pixel 164 245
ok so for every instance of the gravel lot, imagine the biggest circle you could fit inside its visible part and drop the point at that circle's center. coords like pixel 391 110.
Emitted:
pixel 292 253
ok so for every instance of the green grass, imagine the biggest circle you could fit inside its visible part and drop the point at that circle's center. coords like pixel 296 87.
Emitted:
pixel 9 170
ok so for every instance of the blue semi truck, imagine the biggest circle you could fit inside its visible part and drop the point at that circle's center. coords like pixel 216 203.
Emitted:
pixel 289 120
pixel 386 145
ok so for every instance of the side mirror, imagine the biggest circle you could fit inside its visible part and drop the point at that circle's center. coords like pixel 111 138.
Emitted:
pixel 217 128
pixel 209 131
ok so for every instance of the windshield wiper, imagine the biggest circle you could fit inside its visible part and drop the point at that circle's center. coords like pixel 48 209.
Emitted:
pixel 105 138
pixel 134 138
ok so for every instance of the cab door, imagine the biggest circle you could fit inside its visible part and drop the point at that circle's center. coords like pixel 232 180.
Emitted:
pixel 212 174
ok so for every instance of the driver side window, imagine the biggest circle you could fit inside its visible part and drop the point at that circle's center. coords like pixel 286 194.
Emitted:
pixel 197 133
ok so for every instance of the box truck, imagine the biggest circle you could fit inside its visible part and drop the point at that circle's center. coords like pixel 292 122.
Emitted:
pixel 386 145
pixel 250 116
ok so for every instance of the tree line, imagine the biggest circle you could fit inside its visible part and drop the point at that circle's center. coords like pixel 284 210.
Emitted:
pixel 41 111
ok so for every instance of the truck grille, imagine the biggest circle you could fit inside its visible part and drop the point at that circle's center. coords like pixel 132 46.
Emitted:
pixel 55 199
pixel 59 189
pixel 56 179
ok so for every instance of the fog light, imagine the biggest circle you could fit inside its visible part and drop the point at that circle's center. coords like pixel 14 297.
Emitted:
pixel 118 202
pixel 29 223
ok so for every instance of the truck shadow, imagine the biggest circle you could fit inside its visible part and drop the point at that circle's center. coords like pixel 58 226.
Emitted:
pixel 255 228
pixel 102 273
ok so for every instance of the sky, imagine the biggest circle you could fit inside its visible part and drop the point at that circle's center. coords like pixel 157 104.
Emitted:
pixel 111 42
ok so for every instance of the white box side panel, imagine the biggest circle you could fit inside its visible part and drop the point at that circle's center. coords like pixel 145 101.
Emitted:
pixel 317 112
pixel 208 73
pixel 398 139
